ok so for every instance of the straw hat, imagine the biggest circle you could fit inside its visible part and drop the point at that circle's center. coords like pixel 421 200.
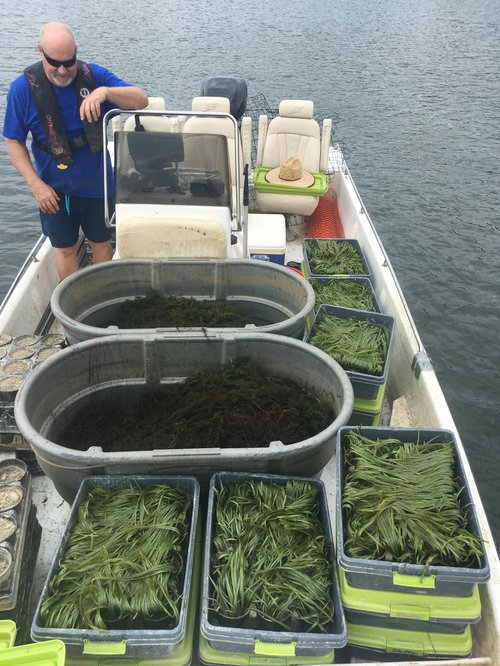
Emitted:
pixel 290 173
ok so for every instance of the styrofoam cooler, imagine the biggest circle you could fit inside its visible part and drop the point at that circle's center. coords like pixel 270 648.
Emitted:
pixel 267 237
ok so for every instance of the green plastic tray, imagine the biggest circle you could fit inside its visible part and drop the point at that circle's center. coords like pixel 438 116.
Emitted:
pixel 47 653
pixel 209 655
pixel 8 631
pixel 319 187
pixel 418 643
pixel 408 605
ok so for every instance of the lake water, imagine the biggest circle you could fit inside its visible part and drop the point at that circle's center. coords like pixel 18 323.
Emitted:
pixel 414 88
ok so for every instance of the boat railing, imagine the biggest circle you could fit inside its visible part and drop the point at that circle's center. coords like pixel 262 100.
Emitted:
pixel 421 360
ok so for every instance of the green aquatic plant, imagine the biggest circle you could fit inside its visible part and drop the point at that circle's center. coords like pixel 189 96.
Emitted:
pixel 156 311
pixel 238 405
pixel 358 345
pixel 124 563
pixel 344 293
pixel 271 558
pixel 401 502
pixel 329 256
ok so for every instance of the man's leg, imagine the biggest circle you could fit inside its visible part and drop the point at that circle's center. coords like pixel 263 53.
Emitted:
pixel 101 251
pixel 66 260
pixel 62 230
pixel 97 233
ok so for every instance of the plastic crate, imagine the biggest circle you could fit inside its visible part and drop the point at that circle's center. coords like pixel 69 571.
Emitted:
pixel 407 610
pixel 366 412
pixel 371 641
pixel 364 281
pixel 365 386
pixel 48 653
pixel 397 576
pixel 307 265
pixel 123 643
pixel 208 655
pixel 359 417
pixel 259 641
pixel 182 654
pixel 8 631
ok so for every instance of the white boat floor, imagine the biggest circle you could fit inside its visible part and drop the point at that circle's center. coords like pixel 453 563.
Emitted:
pixel 52 514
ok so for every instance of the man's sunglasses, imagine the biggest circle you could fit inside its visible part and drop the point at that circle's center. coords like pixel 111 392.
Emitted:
pixel 59 63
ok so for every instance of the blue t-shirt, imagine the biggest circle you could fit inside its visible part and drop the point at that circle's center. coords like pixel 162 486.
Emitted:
pixel 85 177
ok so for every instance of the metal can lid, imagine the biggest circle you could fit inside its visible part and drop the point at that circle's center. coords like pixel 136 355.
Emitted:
pixel 52 339
pixel 10 496
pixel 26 340
pixel 16 367
pixel 5 340
pixel 18 353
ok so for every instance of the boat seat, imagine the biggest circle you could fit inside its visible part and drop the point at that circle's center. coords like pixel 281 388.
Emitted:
pixel 154 104
pixel 138 122
pixel 223 126
pixel 293 133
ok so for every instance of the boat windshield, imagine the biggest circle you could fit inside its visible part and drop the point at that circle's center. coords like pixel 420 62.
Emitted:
pixel 168 168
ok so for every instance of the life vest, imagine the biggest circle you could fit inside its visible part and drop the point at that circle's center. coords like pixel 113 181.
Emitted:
pixel 58 144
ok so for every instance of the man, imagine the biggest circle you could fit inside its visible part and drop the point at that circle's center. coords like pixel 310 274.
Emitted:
pixel 61 101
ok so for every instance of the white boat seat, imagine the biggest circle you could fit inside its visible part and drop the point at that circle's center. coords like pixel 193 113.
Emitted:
pixel 223 126
pixel 293 133
pixel 154 104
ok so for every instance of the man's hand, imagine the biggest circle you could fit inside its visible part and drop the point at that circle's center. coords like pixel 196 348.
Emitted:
pixel 90 108
pixel 46 197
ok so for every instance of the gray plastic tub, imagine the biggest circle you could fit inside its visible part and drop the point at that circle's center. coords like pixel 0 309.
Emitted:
pixel 406 577
pixel 127 642
pixel 126 362
pixel 275 299
pixel 366 387
pixel 251 641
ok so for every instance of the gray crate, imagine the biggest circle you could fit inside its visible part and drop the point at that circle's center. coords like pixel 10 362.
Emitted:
pixel 242 640
pixel 396 576
pixel 367 387
pixel 364 281
pixel 128 643
pixel 351 241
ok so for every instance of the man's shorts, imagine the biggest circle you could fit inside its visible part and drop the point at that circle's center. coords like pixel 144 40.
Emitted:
pixel 63 227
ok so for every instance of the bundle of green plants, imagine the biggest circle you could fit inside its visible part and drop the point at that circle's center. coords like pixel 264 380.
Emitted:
pixel 124 562
pixel 358 345
pixel 344 293
pixel 156 311
pixel 270 562
pixel 237 405
pixel 334 257
pixel 401 502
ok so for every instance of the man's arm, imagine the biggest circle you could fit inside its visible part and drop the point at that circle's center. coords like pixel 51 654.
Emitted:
pixel 45 196
pixel 125 97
